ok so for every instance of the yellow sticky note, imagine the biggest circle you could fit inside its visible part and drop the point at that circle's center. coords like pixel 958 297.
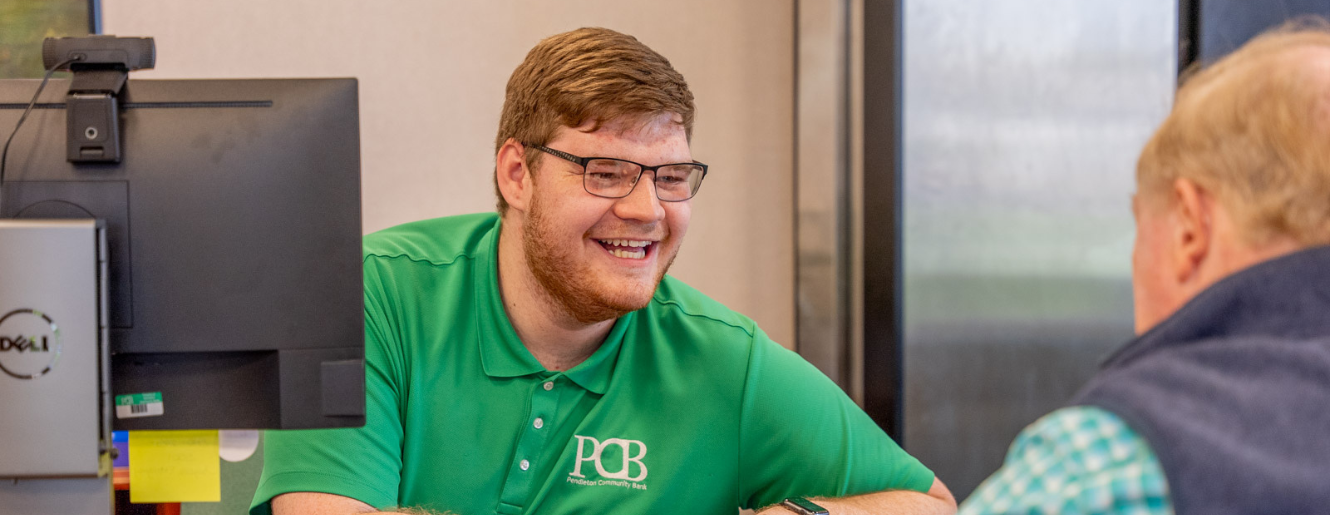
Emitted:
pixel 174 466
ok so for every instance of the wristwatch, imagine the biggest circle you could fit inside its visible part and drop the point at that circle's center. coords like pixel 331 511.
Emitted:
pixel 803 506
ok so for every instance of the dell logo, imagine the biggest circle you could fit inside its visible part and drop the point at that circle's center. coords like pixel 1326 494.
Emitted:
pixel 23 344
pixel 29 344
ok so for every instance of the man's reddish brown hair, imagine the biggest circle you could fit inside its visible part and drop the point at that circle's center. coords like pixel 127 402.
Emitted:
pixel 588 75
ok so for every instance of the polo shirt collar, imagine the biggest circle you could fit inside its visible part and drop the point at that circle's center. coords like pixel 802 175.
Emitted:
pixel 594 374
pixel 502 353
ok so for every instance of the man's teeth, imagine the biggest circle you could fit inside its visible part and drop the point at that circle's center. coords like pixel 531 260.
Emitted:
pixel 626 243
pixel 629 249
pixel 636 254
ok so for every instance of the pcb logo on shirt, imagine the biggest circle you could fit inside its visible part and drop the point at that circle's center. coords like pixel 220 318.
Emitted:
pixel 623 457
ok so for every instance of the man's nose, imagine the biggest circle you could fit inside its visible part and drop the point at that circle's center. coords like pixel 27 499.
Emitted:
pixel 641 204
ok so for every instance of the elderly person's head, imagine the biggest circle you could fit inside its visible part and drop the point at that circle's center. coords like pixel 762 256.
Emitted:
pixel 1239 172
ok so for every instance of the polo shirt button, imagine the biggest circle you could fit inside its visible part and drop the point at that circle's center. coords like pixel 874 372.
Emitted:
pixel 549 385
pixel 539 423
pixel 524 464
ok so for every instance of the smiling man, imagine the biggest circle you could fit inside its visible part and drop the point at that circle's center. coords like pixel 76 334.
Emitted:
pixel 540 361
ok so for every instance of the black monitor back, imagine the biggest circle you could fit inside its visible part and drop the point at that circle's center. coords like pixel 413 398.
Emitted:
pixel 233 227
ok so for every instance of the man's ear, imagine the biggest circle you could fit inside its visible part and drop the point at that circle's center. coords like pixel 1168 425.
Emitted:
pixel 1193 229
pixel 513 176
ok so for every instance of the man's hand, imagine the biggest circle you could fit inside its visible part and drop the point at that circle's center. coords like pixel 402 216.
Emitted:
pixel 938 501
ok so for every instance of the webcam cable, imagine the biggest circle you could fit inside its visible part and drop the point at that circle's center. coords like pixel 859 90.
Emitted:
pixel 4 155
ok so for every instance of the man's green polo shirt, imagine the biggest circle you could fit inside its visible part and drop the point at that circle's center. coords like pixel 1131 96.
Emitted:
pixel 686 407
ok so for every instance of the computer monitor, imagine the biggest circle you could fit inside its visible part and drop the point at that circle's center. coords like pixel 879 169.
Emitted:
pixel 233 229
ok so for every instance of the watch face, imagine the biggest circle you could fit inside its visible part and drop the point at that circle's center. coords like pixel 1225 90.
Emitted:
pixel 803 506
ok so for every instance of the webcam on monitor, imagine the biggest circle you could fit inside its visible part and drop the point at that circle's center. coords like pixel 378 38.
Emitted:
pixel 101 66
pixel 99 52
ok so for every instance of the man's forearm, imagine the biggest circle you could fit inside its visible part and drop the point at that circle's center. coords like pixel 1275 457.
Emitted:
pixel 316 503
pixel 938 501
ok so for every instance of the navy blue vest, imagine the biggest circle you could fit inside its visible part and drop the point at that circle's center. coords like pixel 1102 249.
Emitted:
pixel 1233 391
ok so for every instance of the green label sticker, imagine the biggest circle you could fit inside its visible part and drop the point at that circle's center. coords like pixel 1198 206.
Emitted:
pixel 138 398
pixel 139 405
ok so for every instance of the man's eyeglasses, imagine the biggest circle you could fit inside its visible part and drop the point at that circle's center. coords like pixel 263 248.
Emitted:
pixel 615 178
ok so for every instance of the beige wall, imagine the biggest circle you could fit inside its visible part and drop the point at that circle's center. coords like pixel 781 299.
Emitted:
pixel 432 75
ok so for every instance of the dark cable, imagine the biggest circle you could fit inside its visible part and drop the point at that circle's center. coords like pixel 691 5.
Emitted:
pixel 4 155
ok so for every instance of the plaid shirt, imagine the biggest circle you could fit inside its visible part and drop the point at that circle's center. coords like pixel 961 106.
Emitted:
pixel 1075 460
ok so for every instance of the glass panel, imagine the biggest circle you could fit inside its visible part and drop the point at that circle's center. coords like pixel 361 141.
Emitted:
pixel 1022 123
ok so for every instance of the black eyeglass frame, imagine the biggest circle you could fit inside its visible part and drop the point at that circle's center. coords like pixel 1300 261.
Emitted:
pixel 583 161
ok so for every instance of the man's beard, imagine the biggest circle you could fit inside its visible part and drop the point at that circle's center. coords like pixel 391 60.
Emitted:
pixel 569 282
